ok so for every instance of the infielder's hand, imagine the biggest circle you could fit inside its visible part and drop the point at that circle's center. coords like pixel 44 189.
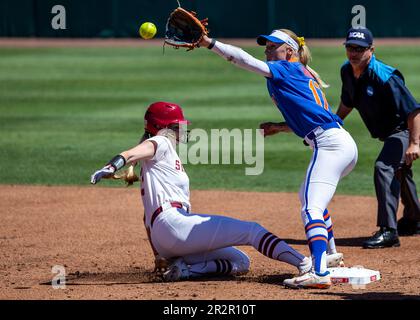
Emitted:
pixel 412 153
pixel 270 128
pixel 205 42
pixel 104 172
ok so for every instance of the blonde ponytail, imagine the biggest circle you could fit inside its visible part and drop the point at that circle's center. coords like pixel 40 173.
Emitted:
pixel 305 56
pixel 317 78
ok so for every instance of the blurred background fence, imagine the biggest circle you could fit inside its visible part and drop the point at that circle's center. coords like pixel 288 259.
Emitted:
pixel 228 18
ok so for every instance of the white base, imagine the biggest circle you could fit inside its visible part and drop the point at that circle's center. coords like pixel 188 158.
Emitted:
pixel 354 275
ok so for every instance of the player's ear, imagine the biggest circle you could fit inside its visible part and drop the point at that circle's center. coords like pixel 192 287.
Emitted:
pixel 289 53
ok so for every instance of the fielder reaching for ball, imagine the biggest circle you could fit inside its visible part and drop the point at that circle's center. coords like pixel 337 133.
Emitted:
pixel 296 91
pixel 199 244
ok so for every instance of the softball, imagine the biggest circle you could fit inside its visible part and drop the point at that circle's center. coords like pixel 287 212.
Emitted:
pixel 147 30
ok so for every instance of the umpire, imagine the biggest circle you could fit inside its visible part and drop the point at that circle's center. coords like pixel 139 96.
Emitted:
pixel 392 115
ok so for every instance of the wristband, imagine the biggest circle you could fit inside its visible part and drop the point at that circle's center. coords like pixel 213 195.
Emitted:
pixel 212 43
pixel 117 162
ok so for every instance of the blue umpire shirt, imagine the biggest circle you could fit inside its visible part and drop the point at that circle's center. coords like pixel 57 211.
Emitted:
pixel 380 96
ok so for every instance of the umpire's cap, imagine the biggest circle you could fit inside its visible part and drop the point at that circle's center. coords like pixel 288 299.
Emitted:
pixel 359 36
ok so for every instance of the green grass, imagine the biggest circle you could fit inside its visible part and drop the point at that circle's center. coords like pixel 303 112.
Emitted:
pixel 64 112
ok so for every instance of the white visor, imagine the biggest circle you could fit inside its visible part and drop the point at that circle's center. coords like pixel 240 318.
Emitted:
pixel 278 36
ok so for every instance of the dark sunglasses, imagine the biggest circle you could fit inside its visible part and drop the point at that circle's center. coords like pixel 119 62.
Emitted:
pixel 357 49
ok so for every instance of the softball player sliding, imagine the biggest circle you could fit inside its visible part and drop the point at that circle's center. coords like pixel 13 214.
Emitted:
pixel 202 244
pixel 296 90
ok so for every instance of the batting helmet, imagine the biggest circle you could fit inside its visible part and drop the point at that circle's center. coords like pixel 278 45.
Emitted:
pixel 161 115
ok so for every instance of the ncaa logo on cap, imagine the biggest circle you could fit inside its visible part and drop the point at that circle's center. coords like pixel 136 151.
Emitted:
pixel 369 91
pixel 359 35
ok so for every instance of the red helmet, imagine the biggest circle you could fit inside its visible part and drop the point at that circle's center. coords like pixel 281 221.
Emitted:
pixel 161 115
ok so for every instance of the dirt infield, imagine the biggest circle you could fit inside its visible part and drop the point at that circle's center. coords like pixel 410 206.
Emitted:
pixel 97 234
pixel 132 42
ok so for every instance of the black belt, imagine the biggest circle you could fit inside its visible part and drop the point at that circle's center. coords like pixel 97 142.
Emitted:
pixel 159 210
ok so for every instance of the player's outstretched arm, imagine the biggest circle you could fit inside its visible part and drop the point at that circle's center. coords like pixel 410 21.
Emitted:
pixel 237 56
pixel 143 151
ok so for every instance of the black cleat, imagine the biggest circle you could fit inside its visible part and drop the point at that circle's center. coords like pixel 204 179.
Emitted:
pixel 384 238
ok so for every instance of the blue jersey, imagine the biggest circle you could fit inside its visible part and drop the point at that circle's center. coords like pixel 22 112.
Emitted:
pixel 299 97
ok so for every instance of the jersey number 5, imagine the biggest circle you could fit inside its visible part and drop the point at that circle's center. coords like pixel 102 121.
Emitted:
pixel 316 90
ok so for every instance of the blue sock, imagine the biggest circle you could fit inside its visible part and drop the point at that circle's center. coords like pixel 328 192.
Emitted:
pixel 317 235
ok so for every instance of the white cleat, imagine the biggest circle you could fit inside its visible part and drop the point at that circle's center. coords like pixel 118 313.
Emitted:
pixel 309 280
pixel 335 260
pixel 305 266
pixel 177 270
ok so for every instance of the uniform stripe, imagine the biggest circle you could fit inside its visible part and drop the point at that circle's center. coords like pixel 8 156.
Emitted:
pixel 314 221
pixel 272 247
pixel 318 238
pixel 309 177
pixel 229 267
pixel 218 267
pixel 317 235
pixel 262 241
pixel 316 232
pixel 267 243
pixel 223 269
pixel 316 225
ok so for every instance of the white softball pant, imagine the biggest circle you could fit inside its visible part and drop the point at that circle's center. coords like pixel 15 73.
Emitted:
pixel 206 242
pixel 334 156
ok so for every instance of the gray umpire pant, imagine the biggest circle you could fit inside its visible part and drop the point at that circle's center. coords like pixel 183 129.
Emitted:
pixel 392 178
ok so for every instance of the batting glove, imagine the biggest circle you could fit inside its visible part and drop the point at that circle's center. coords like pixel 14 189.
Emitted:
pixel 104 172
